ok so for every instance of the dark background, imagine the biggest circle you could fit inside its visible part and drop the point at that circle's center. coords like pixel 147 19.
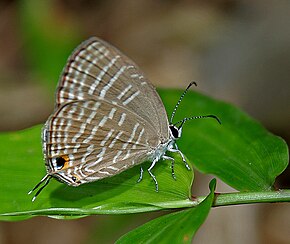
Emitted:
pixel 237 51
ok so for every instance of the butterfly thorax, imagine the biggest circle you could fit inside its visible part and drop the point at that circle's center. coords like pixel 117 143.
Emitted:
pixel 158 152
pixel 165 145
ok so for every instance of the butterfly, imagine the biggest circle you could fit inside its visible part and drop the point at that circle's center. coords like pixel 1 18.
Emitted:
pixel 108 118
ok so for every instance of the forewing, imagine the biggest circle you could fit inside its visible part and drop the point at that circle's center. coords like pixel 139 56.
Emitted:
pixel 96 70
pixel 97 138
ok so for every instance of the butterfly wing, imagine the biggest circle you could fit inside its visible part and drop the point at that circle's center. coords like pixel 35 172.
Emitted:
pixel 108 117
pixel 91 137
pixel 97 70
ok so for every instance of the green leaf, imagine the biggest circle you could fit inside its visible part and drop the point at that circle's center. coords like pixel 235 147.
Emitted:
pixel 22 167
pixel 177 227
pixel 240 151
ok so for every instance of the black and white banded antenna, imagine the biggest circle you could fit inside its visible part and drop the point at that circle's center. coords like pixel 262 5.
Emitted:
pixel 197 117
pixel 180 99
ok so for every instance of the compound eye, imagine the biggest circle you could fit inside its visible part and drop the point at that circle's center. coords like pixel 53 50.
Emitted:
pixel 174 131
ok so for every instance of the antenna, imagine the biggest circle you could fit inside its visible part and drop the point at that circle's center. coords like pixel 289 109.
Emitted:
pixel 180 99
pixel 45 179
pixel 197 117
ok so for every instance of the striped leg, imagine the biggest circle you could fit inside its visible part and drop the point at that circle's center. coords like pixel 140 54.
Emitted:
pixel 181 154
pixel 152 175
pixel 141 175
pixel 172 165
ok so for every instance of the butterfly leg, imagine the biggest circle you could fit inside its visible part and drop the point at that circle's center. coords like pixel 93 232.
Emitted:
pixel 181 154
pixel 172 165
pixel 176 147
pixel 141 175
pixel 152 175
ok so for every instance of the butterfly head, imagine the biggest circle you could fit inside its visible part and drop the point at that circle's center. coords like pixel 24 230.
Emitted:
pixel 175 132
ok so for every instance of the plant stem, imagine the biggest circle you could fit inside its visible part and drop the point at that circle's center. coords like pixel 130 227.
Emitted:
pixel 221 199
pixel 226 199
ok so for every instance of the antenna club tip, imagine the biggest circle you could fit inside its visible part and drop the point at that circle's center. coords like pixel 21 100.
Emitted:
pixel 214 117
pixel 29 192
pixel 194 83
pixel 33 199
pixel 218 120
pixel 191 83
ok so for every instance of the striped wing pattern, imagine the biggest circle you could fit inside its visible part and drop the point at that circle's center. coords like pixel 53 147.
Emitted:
pixel 97 70
pixel 108 117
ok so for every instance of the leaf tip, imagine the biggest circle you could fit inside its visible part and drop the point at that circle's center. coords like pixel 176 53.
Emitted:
pixel 212 184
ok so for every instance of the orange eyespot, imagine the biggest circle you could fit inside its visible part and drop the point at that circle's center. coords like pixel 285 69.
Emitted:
pixel 62 162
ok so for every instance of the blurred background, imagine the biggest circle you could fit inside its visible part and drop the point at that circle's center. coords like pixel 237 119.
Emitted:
pixel 237 51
